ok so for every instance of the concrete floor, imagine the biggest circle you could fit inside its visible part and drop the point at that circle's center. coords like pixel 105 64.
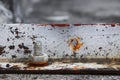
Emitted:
pixel 56 77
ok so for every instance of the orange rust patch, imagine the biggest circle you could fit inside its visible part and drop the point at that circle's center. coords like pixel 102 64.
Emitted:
pixel 37 64
pixel 82 67
pixel 75 43
pixel 75 67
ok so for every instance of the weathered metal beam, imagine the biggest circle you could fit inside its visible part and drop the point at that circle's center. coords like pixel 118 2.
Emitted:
pixel 72 47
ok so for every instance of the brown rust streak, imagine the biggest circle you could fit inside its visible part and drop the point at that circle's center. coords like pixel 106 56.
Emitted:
pixel 2 49
pixel 37 64
pixel 54 25
pixel 60 25
pixel 83 24
pixel 65 25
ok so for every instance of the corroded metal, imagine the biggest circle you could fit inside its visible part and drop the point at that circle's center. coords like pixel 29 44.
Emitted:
pixel 98 41
pixel 96 44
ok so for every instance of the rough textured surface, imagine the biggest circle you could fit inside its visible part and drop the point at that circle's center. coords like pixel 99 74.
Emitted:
pixel 56 77
pixel 97 41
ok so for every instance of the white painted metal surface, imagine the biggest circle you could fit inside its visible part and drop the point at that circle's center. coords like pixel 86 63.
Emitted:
pixel 99 41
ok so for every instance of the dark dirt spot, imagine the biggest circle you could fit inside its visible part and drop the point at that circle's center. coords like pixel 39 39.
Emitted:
pixel 18 50
pixel 21 45
pixel 17 37
pixel 17 33
pixel 91 37
pixel 33 37
pixel 108 37
pixel 100 48
pixel 53 54
pixel 10 27
pixel 66 55
pixel 102 30
pixel 11 47
pixel 107 54
pixel 14 56
pixel 96 53
pixel 8 39
pixel 7 65
pixel 86 48
pixel 32 28
pixel 81 56
pixel 23 32
pixel 12 31
pixel 26 49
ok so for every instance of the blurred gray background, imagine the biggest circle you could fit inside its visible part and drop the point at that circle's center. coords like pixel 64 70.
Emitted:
pixel 59 11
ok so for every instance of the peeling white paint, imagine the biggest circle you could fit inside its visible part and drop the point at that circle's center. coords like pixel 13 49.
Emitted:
pixel 54 40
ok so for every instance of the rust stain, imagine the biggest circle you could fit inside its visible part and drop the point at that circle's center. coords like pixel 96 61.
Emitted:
pixel 83 24
pixel 113 25
pixel 75 67
pixel 77 24
pixel 65 25
pixel 75 43
pixel 37 64
pixel 53 25
pixel 60 25
pixel 2 49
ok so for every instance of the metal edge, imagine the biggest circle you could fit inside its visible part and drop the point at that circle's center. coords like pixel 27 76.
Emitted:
pixel 66 72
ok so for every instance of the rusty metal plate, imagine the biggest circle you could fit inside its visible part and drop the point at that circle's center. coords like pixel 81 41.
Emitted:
pixel 70 48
